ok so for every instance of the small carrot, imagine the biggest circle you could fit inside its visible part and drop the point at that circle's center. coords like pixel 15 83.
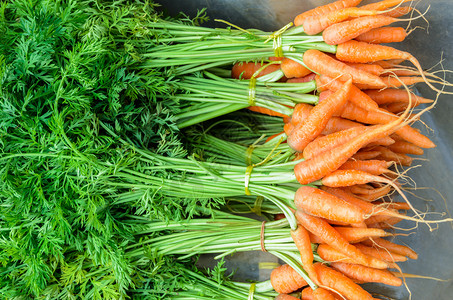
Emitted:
pixel 330 254
pixel 395 248
pixel 301 238
pixel 405 148
pixel 301 112
pixel 293 69
pixel 266 111
pixel 318 294
pixel 396 82
pixel 355 235
pixel 341 178
pixel 315 24
pixel 383 5
pixel 285 297
pixel 285 279
pixel 360 52
pixel 383 35
pixel 370 68
pixel 396 108
pixel 389 155
pixel 377 219
pixel 382 254
pixel 364 155
pixel 386 64
pixel 321 10
pixel 336 124
pixel 388 224
pixel 322 63
pixel 357 96
pixel 330 236
pixel 245 70
pixel 374 167
pixel 398 11
pixel 307 78
pixel 367 274
pixel 339 282
pixel 346 31
pixel 319 203
pixel 353 112
pixel 371 195
pixel 311 127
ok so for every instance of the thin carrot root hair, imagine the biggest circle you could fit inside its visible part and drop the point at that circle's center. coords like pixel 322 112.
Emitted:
pixel 408 275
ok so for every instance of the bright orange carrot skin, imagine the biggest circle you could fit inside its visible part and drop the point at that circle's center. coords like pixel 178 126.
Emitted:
pixel 321 294
pixel 389 155
pixel 285 279
pixel 341 178
pixel 353 112
pixel 245 70
pixel 266 111
pixel 394 82
pixel 320 10
pixel 307 78
pixel 301 238
pixel 374 167
pixel 398 11
pixel 360 52
pixel 339 282
pixel 383 5
pixel 395 248
pixel 285 297
pixel 355 235
pixel 322 63
pixel 364 155
pixel 383 35
pixel 319 203
pixel 367 274
pixel 312 126
pixel 330 236
pixel 357 96
pixel 370 68
pixel 345 31
pixel 315 24
pixel 381 253
pixel 406 148
pixel 330 254
pixel 293 69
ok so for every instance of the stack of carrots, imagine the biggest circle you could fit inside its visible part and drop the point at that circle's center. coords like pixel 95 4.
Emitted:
pixel 348 142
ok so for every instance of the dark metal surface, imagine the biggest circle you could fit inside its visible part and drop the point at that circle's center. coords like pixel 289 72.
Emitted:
pixel 429 46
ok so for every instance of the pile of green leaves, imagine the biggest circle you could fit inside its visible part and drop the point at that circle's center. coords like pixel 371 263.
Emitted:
pixel 67 96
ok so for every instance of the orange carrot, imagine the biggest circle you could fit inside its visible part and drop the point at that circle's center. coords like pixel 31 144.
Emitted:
pixel 345 31
pixel 386 64
pixel 383 35
pixel 382 254
pixel 367 274
pixel 395 248
pixel 394 82
pixel 383 5
pixel 285 297
pixel 266 111
pixel 336 124
pixel 307 78
pixel 285 279
pixel 311 127
pixel 389 155
pixel 398 11
pixel 405 148
pixel 354 51
pixel 322 63
pixel 319 294
pixel 330 254
pixel 370 68
pixel 377 219
pixel 388 224
pixel 371 195
pixel 301 238
pixel 375 167
pixel 357 96
pixel 301 112
pixel 330 236
pixel 319 203
pixel 355 235
pixel 293 69
pixel 396 108
pixel 364 155
pixel 353 112
pixel 321 10
pixel 315 24
pixel 340 178
pixel 339 282
pixel 245 70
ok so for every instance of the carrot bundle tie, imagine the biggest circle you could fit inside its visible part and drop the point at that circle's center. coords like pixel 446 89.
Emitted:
pixel 262 236
pixel 256 209
pixel 277 39
pixel 252 91
pixel 251 291
pixel 248 174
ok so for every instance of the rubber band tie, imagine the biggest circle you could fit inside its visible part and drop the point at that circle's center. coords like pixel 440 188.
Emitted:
pixel 262 237
pixel 277 40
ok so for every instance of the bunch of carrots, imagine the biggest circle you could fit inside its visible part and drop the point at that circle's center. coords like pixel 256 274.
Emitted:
pixel 348 143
